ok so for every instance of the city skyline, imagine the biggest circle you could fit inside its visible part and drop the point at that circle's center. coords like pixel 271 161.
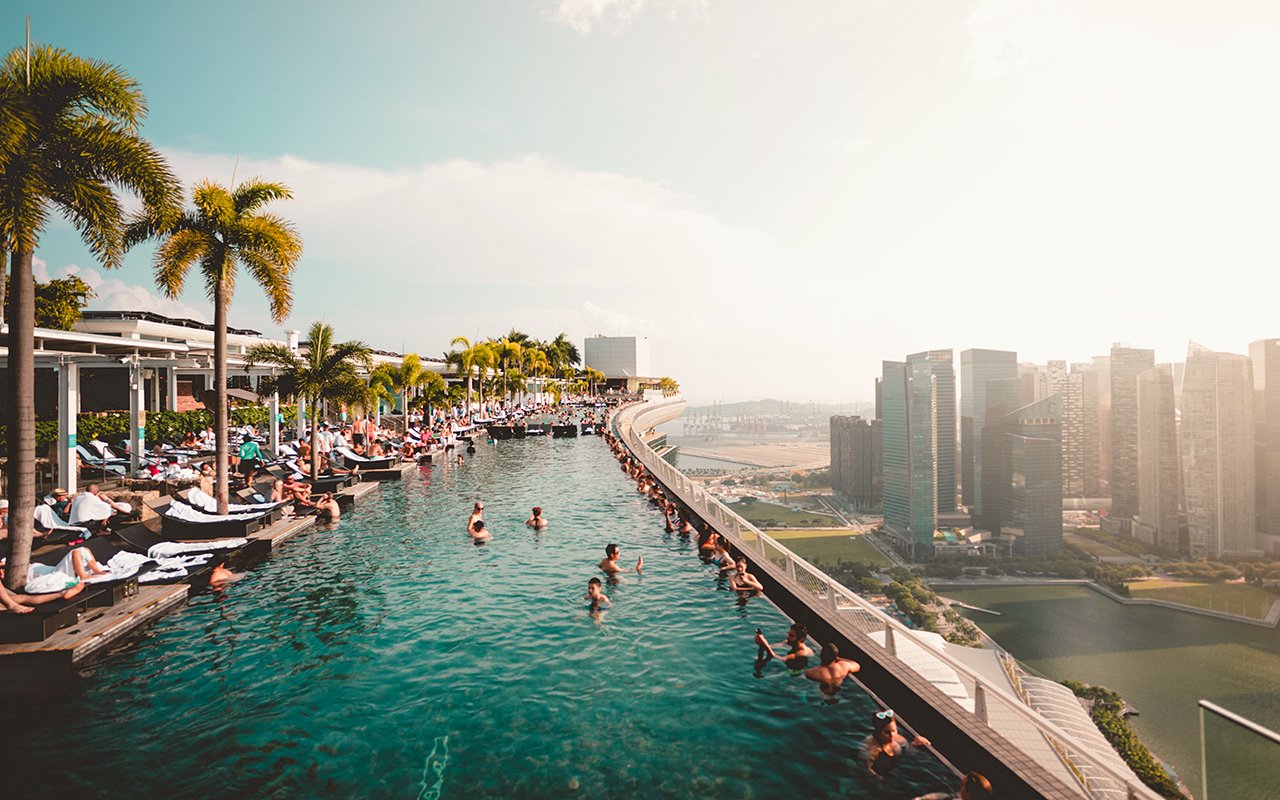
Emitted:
pixel 767 159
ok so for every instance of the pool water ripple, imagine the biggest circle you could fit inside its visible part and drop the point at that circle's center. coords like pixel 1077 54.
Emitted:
pixel 386 656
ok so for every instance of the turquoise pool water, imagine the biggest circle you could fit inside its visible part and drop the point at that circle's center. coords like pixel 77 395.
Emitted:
pixel 388 657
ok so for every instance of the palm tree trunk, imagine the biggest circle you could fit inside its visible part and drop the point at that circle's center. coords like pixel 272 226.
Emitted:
pixel 220 456
pixel 21 468
pixel 315 439
pixel 468 394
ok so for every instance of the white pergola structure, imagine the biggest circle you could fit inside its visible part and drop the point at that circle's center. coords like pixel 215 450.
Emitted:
pixel 145 344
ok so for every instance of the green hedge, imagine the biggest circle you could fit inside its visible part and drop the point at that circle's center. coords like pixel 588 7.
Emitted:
pixel 1108 714
pixel 112 426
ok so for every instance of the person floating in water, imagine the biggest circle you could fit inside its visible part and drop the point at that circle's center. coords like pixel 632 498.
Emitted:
pixel 885 744
pixel 596 598
pixel 609 565
pixel 477 513
pixel 479 533
pixel 832 669
pixel 536 520
pixel 798 650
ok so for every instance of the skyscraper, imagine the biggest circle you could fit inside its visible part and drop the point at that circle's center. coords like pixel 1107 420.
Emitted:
pixel 855 461
pixel 941 365
pixel 977 368
pixel 1265 358
pixel 1126 364
pixel 1033 505
pixel 909 402
pixel 1218 453
pixel 1159 472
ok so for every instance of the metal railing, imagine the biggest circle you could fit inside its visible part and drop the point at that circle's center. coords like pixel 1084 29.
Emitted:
pixel 1263 733
pixel 1096 777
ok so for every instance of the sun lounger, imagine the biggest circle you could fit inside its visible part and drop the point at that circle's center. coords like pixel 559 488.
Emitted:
pixel 143 540
pixel 181 521
pixel 352 459
pixel 198 499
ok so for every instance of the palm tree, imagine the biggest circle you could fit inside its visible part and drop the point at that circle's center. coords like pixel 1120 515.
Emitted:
pixel 404 379
pixel 327 372
pixel 433 390
pixel 592 377
pixel 536 361
pixel 227 227
pixel 508 351
pixel 669 387
pixel 465 361
pixel 68 139
pixel 563 352
pixel 377 388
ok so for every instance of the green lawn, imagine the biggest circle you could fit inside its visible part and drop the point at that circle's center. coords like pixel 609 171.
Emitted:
pixel 1234 598
pixel 764 514
pixel 828 547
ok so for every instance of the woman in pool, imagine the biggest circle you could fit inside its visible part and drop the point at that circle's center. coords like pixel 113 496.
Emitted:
pixel 885 745
pixel 536 520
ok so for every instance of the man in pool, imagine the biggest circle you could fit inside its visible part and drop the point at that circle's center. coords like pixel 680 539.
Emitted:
pixel 798 650
pixel 743 581
pixel 477 514
pixel 596 597
pixel 832 669
pixel 536 520
pixel 609 565
pixel 479 533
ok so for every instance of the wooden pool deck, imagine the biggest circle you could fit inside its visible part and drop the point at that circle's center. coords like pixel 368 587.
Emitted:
pixel 96 629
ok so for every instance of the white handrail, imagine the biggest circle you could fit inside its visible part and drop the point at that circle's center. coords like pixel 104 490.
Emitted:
pixel 627 419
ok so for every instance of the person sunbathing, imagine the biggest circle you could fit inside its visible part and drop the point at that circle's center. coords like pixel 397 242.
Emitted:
pixel 296 489
pixel 832 669
pixel 22 603
pixel 536 520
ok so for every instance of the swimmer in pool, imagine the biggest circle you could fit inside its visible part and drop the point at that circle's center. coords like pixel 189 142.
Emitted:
pixel 478 531
pixel 885 744
pixel 743 581
pixel 536 520
pixel 798 650
pixel 477 513
pixel 596 596
pixel 832 669
pixel 609 565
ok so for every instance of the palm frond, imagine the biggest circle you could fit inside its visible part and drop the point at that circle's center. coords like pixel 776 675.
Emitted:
pixel 255 192
pixel 174 257
pixel 274 281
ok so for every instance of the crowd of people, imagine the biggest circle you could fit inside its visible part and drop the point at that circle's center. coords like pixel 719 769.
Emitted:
pixel 884 748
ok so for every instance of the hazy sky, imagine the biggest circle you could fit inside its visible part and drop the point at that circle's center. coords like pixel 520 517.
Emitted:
pixel 779 195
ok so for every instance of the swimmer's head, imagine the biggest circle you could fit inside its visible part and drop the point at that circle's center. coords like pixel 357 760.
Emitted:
pixel 830 653
pixel 611 550
pixel 479 507
pixel 976 787
pixel 479 526
pixel 799 631
pixel 537 511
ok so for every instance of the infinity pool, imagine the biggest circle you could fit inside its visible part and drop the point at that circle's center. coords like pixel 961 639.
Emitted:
pixel 389 657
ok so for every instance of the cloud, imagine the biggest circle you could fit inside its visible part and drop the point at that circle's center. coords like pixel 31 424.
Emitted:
pixel 410 258
pixel 113 294
pixel 613 16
